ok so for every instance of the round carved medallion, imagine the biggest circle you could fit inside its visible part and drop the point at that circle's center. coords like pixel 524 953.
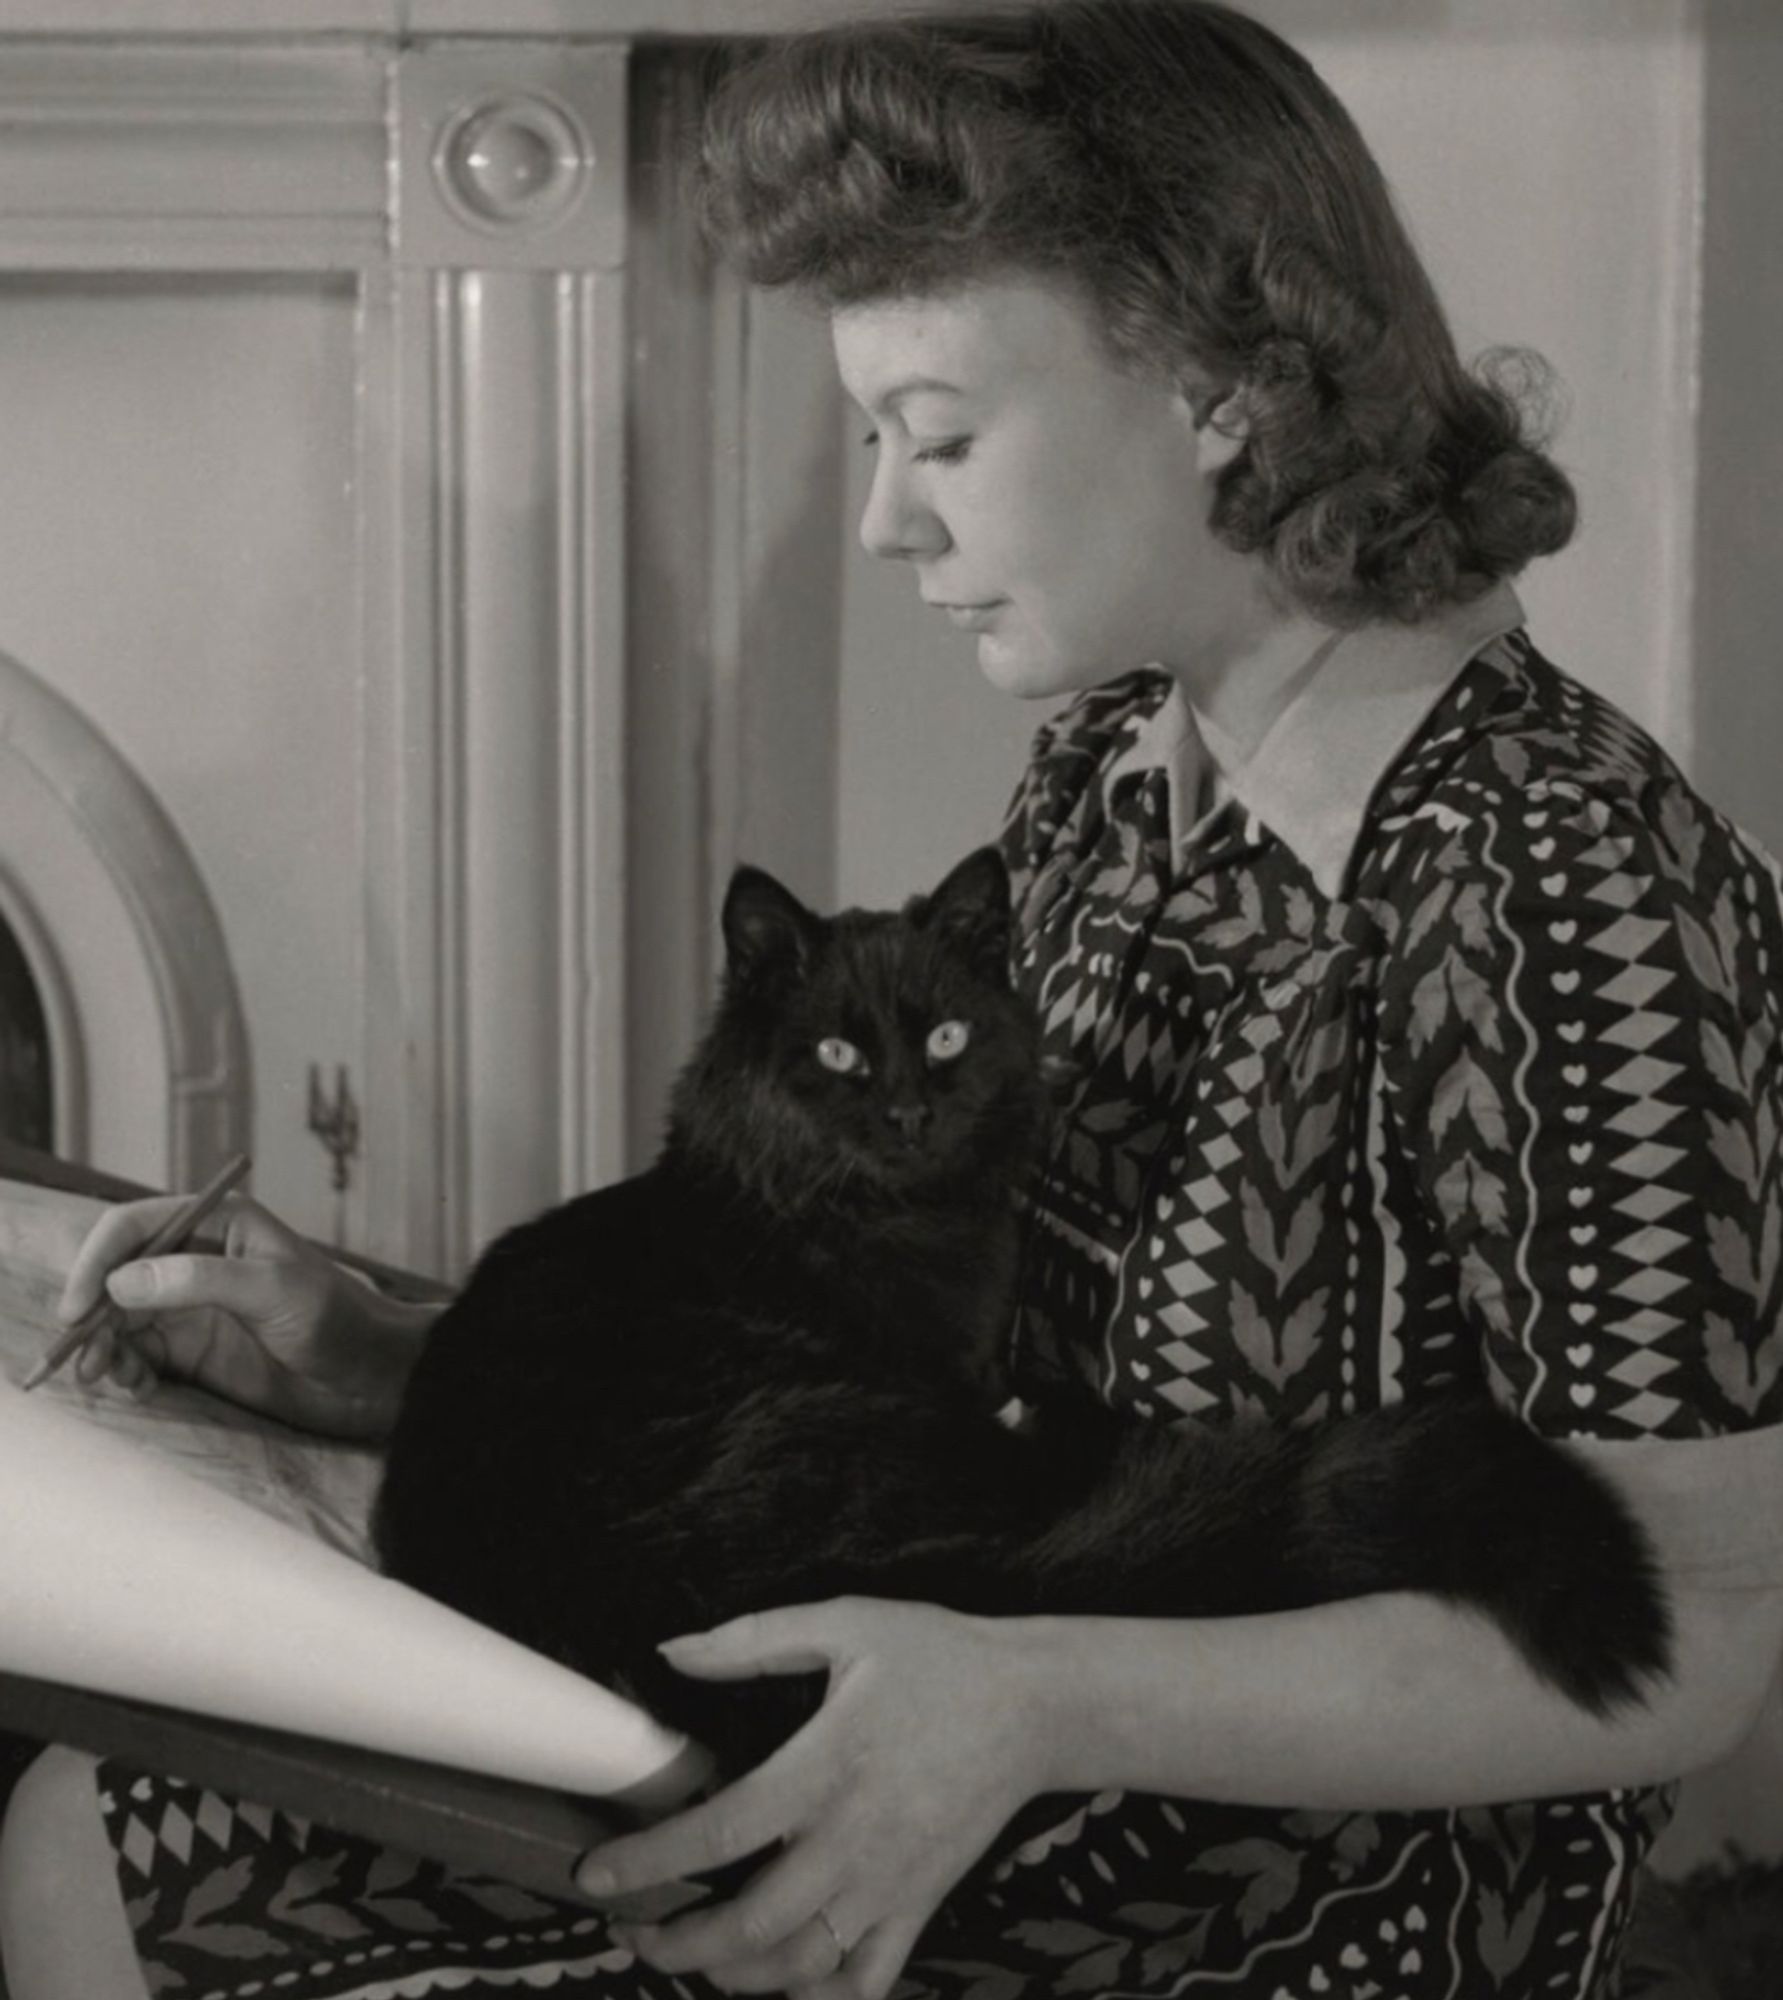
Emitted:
pixel 513 162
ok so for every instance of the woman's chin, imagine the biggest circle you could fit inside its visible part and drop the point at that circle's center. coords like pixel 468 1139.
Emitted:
pixel 1031 673
pixel 1020 671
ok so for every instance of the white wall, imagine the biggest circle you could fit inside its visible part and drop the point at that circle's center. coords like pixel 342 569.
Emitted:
pixel 1737 682
pixel 1547 155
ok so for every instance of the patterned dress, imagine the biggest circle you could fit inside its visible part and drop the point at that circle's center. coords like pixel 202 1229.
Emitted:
pixel 1442 1045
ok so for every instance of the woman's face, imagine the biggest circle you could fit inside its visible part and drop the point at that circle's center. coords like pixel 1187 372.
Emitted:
pixel 1047 499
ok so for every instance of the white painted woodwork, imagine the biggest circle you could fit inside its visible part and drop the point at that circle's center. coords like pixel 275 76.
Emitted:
pixel 148 1041
pixel 531 743
pixel 316 505
pixel 153 157
pixel 541 18
pixel 350 493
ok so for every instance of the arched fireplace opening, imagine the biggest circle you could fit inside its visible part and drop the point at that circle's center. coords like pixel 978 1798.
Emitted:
pixel 27 1083
pixel 122 1041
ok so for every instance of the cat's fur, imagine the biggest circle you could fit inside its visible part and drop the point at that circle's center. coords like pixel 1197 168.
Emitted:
pixel 766 1372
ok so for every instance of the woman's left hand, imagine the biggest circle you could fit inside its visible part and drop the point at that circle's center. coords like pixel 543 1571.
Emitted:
pixel 927 1743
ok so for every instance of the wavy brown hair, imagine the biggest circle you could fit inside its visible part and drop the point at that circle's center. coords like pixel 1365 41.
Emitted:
pixel 1194 177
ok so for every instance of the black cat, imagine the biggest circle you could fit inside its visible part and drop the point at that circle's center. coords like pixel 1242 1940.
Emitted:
pixel 767 1372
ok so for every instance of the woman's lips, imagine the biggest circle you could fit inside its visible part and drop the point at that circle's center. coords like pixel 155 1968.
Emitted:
pixel 973 617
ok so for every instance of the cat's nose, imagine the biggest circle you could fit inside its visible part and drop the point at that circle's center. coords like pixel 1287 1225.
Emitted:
pixel 910 1119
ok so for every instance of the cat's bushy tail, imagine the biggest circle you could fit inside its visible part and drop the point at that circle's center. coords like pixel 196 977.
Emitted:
pixel 1454 1497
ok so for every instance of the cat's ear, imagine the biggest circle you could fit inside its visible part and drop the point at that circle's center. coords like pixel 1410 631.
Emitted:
pixel 972 908
pixel 765 925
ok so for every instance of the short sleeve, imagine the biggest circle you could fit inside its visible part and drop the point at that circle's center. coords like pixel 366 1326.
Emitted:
pixel 1579 1024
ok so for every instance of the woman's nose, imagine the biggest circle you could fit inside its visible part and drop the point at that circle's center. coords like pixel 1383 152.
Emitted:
pixel 896 522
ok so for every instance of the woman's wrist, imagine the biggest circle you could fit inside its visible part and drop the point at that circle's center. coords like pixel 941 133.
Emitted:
pixel 1044 1671
pixel 1064 1715
pixel 371 1343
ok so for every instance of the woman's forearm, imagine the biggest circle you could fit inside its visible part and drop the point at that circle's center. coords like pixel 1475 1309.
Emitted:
pixel 1395 1702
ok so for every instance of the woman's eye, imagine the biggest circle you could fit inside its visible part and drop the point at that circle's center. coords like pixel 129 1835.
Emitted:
pixel 843 1057
pixel 948 451
pixel 948 1041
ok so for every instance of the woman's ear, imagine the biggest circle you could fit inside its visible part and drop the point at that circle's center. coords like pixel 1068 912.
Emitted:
pixel 1220 416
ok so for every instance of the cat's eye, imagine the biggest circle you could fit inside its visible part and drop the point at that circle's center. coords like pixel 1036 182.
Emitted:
pixel 843 1057
pixel 948 1040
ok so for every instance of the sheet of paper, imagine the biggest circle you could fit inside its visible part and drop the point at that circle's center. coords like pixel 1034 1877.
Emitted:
pixel 146 1571
pixel 317 1484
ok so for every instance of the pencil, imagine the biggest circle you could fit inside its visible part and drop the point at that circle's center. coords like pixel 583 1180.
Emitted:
pixel 174 1234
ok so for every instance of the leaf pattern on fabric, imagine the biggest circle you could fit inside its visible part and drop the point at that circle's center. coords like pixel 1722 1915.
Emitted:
pixel 1504 1940
pixel 407 1913
pixel 1270 1872
pixel 978 1982
pixel 1706 957
pixel 1747 1375
pixel 1276 1353
pixel 300 1901
pixel 1466 1091
pixel 216 1891
pixel 1171 1956
pixel 1471 1195
pixel 1059 1937
pixel 503 1899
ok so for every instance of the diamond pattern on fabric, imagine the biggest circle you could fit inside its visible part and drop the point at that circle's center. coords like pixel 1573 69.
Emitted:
pixel 1505 1110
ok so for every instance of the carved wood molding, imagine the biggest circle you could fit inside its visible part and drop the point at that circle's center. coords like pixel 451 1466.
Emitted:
pixel 527 674
pixel 403 18
pixel 507 344
pixel 143 156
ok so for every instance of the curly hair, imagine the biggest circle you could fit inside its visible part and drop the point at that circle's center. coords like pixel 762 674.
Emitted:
pixel 1200 184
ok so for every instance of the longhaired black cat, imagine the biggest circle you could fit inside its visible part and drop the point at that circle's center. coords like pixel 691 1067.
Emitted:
pixel 767 1372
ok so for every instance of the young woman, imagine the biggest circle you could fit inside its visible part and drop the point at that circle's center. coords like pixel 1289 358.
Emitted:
pixel 1421 1029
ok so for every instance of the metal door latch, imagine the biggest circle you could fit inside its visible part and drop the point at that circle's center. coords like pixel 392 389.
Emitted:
pixel 336 1123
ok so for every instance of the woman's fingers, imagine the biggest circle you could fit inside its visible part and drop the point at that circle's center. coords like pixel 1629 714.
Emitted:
pixel 98 1357
pixel 770 1936
pixel 185 1281
pixel 131 1370
pixel 871 1969
pixel 756 1812
pixel 113 1240
pixel 801 1639
pixel 196 1316
pixel 806 1955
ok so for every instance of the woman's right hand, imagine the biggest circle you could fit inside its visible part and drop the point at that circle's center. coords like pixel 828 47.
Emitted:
pixel 272 1322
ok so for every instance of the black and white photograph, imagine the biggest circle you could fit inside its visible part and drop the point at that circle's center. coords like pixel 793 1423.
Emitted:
pixel 891 999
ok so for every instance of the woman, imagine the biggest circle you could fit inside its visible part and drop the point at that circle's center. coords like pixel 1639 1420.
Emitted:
pixel 1420 1031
